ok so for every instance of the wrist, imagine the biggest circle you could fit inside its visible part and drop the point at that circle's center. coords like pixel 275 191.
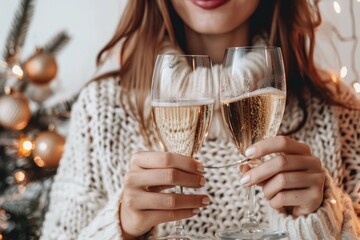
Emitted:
pixel 128 236
pixel 125 235
pixel 147 235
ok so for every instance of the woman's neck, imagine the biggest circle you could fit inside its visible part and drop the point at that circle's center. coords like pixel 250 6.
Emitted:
pixel 214 45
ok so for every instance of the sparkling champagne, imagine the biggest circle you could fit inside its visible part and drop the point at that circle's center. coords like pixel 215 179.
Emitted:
pixel 182 127
pixel 254 116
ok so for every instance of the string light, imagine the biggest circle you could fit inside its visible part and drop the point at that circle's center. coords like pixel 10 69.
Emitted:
pixel 357 87
pixel 39 162
pixel 353 38
pixel 343 72
pixel 356 41
pixel 334 78
pixel 20 176
pixel 337 7
pixel 17 71
pixel 25 147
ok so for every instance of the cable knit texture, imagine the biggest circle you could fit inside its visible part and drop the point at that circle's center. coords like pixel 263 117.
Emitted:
pixel 103 136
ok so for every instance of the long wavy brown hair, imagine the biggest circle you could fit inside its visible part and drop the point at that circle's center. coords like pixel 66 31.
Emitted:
pixel 146 24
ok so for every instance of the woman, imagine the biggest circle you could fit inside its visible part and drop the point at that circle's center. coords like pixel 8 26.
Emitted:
pixel 110 180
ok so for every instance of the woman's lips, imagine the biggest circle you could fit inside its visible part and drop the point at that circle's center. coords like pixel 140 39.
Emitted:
pixel 209 4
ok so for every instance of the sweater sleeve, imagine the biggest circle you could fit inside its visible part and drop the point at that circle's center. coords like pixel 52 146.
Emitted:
pixel 79 206
pixel 350 153
pixel 337 218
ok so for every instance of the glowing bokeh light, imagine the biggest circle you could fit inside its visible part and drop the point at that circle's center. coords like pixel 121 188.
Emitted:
pixel 20 176
pixel 357 87
pixel 337 7
pixel 25 146
pixel 343 72
pixel 39 162
pixel 17 71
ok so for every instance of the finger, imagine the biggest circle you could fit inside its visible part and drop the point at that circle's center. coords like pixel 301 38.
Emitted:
pixel 161 177
pixel 261 184
pixel 151 160
pixel 290 180
pixel 307 199
pixel 278 144
pixel 157 188
pixel 164 201
pixel 281 163
pixel 244 168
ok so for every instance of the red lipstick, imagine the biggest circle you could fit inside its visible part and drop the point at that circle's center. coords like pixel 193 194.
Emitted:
pixel 209 4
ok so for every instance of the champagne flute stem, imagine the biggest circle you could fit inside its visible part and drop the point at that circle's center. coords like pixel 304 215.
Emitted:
pixel 250 212
pixel 178 227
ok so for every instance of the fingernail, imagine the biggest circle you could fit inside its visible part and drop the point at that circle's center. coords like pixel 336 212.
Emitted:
pixel 244 168
pixel 245 179
pixel 200 168
pixel 250 151
pixel 206 201
pixel 196 210
pixel 202 181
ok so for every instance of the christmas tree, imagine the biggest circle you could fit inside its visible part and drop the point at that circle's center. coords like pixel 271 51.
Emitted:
pixel 30 146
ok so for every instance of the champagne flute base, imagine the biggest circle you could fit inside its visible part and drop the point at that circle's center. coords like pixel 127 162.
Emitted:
pixel 173 238
pixel 182 238
pixel 252 233
pixel 178 233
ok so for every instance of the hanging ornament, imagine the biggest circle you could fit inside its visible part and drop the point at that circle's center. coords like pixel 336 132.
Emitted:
pixel 49 146
pixel 41 68
pixel 38 93
pixel 14 111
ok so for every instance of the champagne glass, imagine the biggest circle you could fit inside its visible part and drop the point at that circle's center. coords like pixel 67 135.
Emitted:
pixel 252 99
pixel 182 100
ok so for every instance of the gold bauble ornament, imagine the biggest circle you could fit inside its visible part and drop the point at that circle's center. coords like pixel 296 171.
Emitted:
pixel 38 93
pixel 41 68
pixel 14 111
pixel 49 146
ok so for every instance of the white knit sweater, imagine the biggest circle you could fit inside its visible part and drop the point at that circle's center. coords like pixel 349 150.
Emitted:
pixel 102 138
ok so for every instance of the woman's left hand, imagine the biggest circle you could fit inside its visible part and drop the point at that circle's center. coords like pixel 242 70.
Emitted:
pixel 293 180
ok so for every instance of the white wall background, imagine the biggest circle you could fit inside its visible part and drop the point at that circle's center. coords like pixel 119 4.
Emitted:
pixel 335 54
pixel 91 23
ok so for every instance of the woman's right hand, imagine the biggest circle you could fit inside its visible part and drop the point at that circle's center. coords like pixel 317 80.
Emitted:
pixel 144 205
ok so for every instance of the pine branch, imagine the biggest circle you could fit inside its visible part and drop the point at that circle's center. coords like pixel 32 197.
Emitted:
pixel 25 209
pixel 22 203
pixel 3 75
pixel 19 28
pixel 57 43
pixel 61 110
pixel 19 207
